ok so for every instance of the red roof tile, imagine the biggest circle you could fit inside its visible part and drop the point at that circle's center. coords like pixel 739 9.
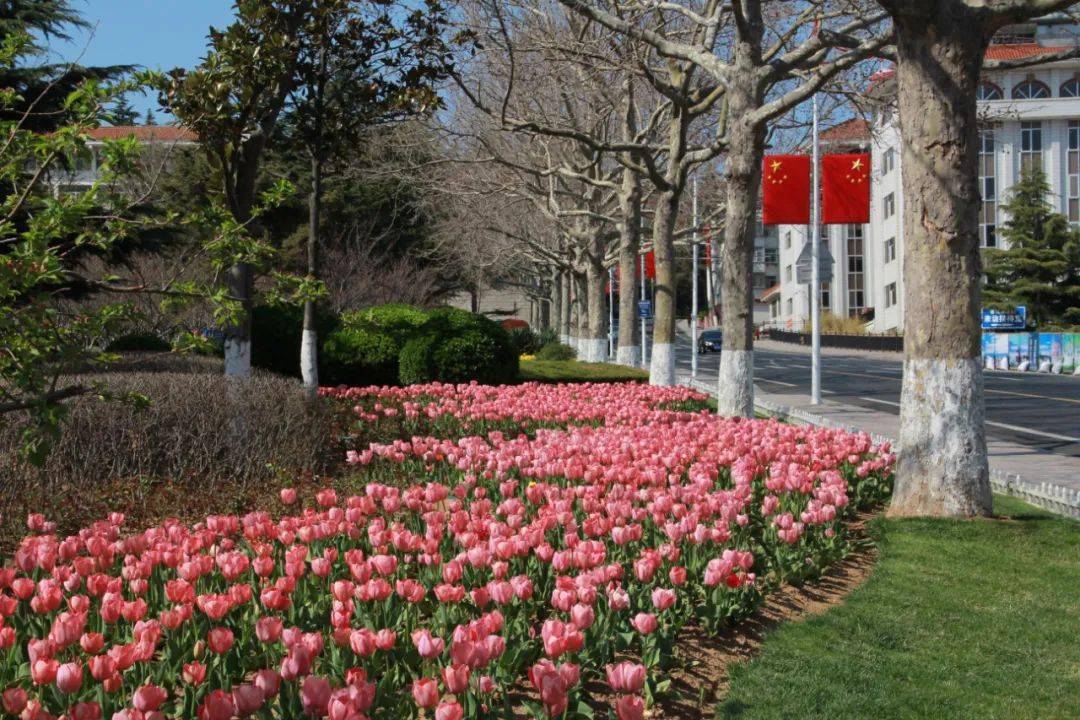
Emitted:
pixel 144 133
pixel 1019 51
pixel 852 130
pixel 770 293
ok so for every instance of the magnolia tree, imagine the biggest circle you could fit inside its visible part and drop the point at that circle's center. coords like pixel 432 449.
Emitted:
pixel 940 48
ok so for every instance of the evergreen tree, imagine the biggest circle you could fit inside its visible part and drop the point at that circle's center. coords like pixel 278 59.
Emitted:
pixel 1041 267
pixel 150 119
pixel 122 113
pixel 42 88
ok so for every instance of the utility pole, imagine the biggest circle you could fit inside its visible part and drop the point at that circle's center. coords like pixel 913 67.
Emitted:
pixel 815 273
pixel 694 294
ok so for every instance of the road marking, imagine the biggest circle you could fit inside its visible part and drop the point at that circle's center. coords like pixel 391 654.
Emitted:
pixel 989 390
pixel 1017 428
pixel 1003 426
pixel 778 382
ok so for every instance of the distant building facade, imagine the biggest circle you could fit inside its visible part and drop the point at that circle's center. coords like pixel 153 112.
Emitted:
pixel 83 170
pixel 1030 119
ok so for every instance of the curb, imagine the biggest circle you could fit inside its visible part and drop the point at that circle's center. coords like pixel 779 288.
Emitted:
pixel 1048 496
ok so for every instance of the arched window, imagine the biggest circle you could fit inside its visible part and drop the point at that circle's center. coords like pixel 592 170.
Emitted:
pixel 1030 90
pixel 1070 88
pixel 988 91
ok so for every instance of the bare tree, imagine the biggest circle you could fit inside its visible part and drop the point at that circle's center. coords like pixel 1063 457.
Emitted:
pixel 765 60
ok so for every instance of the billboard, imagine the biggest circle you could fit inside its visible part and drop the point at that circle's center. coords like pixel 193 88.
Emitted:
pixel 1015 319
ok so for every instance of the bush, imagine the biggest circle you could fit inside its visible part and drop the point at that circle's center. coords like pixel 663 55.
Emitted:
pixel 545 336
pixel 275 337
pixel 556 351
pixel 416 363
pixel 201 439
pixel 525 341
pixel 400 321
pixel 139 342
pixel 360 356
pixel 467 346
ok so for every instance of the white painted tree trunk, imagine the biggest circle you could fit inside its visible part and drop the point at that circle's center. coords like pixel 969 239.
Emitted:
pixel 662 364
pixel 628 355
pixel 735 387
pixel 237 357
pixel 309 361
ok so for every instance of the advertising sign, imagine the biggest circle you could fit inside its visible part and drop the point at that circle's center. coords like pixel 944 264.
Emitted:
pixel 644 308
pixel 1004 319
pixel 1070 348
pixel 988 349
pixel 1001 351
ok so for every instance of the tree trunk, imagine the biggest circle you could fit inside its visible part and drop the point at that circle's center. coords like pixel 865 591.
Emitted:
pixel 309 343
pixel 578 325
pixel 565 306
pixel 942 467
pixel 662 362
pixel 735 384
pixel 593 345
pixel 239 283
pixel 629 350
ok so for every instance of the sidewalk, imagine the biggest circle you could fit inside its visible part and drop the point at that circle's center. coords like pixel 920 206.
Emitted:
pixel 1040 478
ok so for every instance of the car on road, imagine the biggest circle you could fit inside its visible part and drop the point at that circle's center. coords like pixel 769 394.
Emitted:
pixel 709 341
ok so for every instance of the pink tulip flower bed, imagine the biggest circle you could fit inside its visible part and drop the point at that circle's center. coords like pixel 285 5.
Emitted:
pixel 542 576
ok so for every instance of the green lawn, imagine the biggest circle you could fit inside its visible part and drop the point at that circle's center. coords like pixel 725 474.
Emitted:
pixel 574 371
pixel 976 619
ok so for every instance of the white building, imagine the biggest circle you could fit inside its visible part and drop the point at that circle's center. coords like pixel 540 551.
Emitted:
pixel 1031 118
pixel 156 140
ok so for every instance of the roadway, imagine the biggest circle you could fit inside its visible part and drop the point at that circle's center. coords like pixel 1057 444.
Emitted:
pixel 1039 411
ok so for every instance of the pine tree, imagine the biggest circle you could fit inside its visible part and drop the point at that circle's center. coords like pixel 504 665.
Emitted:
pixel 122 113
pixel 1041 267
pixel 43 87
pixel 150 119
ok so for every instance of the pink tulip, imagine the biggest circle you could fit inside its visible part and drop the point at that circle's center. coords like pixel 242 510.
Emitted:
pixel 427 645
pixel 626 677
pixel 218 705
pixel 288 496
pixel 456 678
pixel 448 711
pixel 69 677
pixel 148 698
pixel 14 700
pixel 85 711
pixel 629 707
pixel 645 623
pixel 425 692
pixel 248 699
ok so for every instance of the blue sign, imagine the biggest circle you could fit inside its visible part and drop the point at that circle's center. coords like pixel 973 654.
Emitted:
pixel 644 308
pixel 1004 319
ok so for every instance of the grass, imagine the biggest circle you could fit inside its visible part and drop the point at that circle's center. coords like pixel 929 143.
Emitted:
pixel 575 371
pixel 960 619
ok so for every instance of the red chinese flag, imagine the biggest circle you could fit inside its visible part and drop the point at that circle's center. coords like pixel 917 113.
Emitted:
pixel 650 265
pixel 785 190
pixel 845 189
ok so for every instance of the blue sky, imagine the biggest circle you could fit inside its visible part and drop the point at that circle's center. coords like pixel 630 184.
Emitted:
pixel 160 34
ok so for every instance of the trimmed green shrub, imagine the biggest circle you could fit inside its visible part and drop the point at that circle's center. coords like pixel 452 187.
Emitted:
pixel 139 342
pixel 360 356
pixel 475 355
pixel 402 322
pixel 556 351
pixel 416 363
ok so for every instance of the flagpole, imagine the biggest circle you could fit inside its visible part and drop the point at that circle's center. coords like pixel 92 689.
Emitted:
pixel 815 272
pixel 644 344
pixel 694 294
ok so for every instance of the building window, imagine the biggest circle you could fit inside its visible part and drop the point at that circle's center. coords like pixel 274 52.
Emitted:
pixel 987 189
pixel 888 161
pixel 890 250
pixel 890 295
pixel 1070 88
pixel 988 91
pixel 787 240
pixel 790 307
pixel 1074 170
pixel 826 296
pixel 787 274
pixel 1030 90
pixel 1030 146
pixel 856 297
pixel 889 206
